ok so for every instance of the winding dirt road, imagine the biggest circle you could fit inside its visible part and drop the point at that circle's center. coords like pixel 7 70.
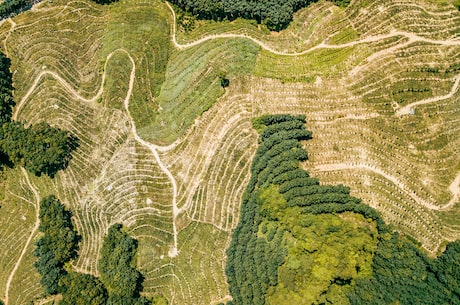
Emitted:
pixel 411 39
pixel 152 147
pixel 155 148
pixel 454 188
pixel 173 252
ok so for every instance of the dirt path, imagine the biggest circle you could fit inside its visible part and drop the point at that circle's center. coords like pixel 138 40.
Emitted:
pixel 406 109
pixel 173 252
pixel 66 86
pixel 411 36
pixel 152 147
pixel 454 188
pixel 32 234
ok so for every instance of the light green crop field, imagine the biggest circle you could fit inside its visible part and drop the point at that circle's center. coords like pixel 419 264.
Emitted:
pixel 165 150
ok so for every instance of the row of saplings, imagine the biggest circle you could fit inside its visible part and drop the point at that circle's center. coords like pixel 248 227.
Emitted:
pixel 119 282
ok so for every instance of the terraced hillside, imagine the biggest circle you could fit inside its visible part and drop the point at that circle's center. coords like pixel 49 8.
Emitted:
pixel 166 151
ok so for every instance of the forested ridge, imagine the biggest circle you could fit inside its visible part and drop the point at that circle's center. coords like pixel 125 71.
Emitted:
pixel 276 14
pixel 119 283
pixel 305 243
pixel 40 148
pixel 11 7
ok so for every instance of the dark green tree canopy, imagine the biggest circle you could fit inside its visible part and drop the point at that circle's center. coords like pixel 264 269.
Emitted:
pixel 82 289
pixel 117 265
pixel 57 246
pixel 276 14
pixel 56 223
pixel 10 7
pixel 41 149
pixel 104 1
pixel 6 88
pixel 120 282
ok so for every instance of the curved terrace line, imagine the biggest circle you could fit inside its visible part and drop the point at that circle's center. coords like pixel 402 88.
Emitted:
pixel 411 36
pixel 454 187
pixel 152 147
pixel 406 109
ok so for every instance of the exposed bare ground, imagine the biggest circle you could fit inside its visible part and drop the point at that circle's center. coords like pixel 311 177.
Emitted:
pixel 194 159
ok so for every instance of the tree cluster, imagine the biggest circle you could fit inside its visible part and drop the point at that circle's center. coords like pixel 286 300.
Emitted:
pixel 6 90
pixel 104 1
pixel 11 7
pixel 402 274
pixel 276 14
pixel 120 282
pixel 252 261
pixel 82 289
pixel 40 149
pixel 57 246
pixel 117 266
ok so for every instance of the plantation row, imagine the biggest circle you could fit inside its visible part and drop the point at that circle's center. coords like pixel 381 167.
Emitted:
pixel 60 41
pixel 216 153
pixel 425 18
pixel 111 179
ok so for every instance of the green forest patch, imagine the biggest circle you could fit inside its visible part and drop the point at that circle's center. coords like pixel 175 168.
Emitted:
pixel 299 241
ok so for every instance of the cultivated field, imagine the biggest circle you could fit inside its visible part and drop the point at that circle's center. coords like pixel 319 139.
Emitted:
pixel 166 151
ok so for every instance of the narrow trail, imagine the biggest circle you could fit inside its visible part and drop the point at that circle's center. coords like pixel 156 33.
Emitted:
pixel 66 86
pixel 155 149
pixel 173 252
pixel 152 147
pixel 406 109
pixel 454 188
pixel 32 234
pixel 411 36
